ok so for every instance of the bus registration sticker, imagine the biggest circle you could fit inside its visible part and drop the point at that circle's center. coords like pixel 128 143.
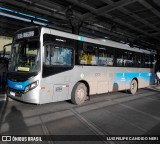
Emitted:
pixel 12 93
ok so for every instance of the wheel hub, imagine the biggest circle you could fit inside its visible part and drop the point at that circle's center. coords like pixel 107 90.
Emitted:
pixel 80 94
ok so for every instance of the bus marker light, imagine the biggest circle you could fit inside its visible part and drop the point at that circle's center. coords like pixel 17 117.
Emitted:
pixel 42 88
pixel 82 75
pixel 65 86
pixel 49 91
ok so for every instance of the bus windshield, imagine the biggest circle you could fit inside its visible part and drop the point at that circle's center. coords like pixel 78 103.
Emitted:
pixel 25 56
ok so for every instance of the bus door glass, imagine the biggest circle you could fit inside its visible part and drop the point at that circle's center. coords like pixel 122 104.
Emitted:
pixel 58 56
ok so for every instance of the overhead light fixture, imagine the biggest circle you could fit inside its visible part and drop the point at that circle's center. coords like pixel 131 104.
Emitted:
pixel 14 17
pixel 39 23
pixel 24 14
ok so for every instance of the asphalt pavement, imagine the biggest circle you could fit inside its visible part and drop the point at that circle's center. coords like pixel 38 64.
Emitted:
pixel 111 114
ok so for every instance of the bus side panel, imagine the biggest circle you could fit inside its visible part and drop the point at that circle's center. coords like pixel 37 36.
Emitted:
pixel 56 88
pixel 120 78
pixel 96 77
pixel 100 80
pixel 60 85
pixel 46 90
pixel 88 74
pixel 145 77
pixel 116 78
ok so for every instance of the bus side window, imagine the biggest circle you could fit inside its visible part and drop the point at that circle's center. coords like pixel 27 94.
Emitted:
pixel 89 54
pixel 151 60
pixel 147 61
pixel 138 59
pixel 84 57
pixel 102 56
pixel 119 57
pixel 129 59
pixel 142 60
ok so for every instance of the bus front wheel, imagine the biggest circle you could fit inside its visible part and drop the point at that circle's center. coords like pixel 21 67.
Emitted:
pixel 79 93
pixel 133 87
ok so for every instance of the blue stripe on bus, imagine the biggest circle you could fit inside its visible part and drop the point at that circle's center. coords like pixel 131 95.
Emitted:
pixel 18 85
pixel 127 77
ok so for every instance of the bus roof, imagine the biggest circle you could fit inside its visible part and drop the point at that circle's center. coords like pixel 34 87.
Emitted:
pixel 108 43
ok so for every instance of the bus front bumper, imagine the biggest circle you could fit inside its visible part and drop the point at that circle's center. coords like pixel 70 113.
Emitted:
pixel 29 97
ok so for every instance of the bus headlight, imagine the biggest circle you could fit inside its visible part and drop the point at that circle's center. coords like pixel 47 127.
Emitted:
pixel 31 86
pixel 27 88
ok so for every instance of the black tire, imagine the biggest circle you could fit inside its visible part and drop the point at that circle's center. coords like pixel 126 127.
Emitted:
pixel 133 87
pixel 79 94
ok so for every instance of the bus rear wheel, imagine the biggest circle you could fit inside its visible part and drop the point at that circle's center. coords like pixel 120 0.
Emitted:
pixel 79 93
pixel 133 87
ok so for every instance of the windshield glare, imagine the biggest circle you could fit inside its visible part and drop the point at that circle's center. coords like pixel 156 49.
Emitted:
pixel 25 56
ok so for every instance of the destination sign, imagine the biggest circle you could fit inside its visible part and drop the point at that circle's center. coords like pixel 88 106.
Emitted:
pixel 25 34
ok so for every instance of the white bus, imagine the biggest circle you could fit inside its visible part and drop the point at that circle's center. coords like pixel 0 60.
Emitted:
pixel 49 65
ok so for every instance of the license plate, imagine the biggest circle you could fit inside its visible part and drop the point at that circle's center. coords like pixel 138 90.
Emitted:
pixel 12 93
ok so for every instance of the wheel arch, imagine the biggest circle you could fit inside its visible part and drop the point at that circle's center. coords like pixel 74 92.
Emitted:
pixel 135 78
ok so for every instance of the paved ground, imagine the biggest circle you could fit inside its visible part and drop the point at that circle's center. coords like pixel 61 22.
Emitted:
pixel 115 113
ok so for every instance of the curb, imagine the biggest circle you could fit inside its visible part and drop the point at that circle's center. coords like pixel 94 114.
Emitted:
pixel 154 87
